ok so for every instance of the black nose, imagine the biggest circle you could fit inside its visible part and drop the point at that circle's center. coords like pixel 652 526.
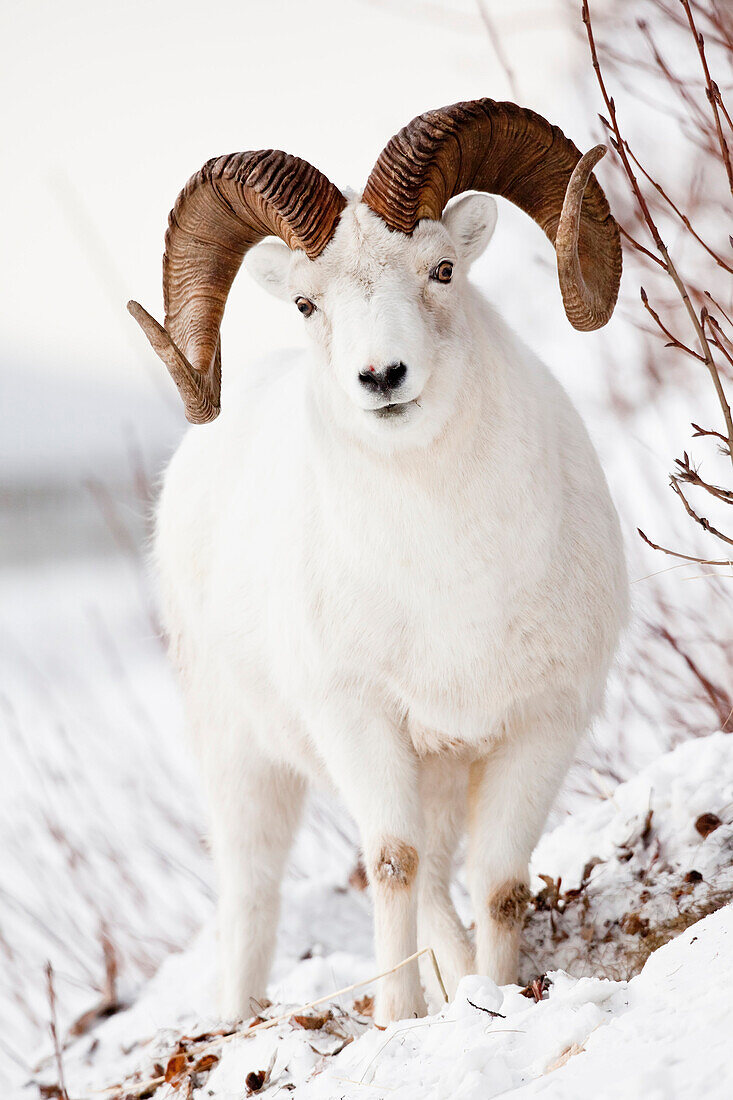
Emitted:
pixel 381 381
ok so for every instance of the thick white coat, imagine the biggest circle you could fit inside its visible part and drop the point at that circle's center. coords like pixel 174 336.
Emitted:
pixel 420 609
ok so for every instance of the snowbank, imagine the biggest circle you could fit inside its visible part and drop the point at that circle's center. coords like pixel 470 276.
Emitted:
pixel 664 1034
pixel 623 877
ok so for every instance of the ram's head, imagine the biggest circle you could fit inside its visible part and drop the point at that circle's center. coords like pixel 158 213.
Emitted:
pixel 378 279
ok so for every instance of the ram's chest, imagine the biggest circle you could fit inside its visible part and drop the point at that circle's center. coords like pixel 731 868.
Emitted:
pixel 433 616
pixel 427 604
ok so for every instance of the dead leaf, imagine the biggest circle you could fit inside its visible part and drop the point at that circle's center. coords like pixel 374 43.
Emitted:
pixel 588 869
pixel 87 1020
pixel 336 1050
pixel 176 1068
pixel 537 988
pixel 255 1080
pixel 364 1006
pixel 707 824
pixel 205 1062
pixel 549 897
pixel 311 1023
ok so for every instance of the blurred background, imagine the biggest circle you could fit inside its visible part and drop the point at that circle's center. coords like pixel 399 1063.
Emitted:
pixel 109 109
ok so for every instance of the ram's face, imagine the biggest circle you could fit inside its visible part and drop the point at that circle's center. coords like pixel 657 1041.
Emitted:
pixel 386 313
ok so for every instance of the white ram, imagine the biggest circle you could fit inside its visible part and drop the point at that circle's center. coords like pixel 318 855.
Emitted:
pixel 395 566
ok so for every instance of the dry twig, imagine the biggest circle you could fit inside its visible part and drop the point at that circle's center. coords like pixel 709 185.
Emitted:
pixel 53 1026
pixel 709 338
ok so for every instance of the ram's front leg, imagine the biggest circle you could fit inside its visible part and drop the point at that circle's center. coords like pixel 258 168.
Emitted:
pixel 374 767
pixel 510 794
pixel 392 868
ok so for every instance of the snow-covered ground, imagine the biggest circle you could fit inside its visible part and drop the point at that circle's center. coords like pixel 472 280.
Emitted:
pixel 650 865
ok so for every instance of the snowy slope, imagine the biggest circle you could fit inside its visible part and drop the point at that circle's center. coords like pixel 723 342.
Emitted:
pixel 664 1032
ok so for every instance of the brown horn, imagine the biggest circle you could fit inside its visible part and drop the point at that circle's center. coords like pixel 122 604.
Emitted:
pixel 226 208
pixel 508 150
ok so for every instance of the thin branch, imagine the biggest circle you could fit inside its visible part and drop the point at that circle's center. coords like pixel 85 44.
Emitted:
pixel 713 92
pixel 704 523
pixel 680 22
pixel 680 214
pixel 676 554
pixel 54 1032
pixel 673 341
pixel 707 431
pixel 688 474
pixel 718 698
pixel 640 247
pixel 619 145
pixel 724 109
pixel 713 324
pixel 717 305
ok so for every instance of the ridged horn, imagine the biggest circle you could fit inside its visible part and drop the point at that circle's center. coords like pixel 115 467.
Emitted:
pixel 508 150
pixel 224 209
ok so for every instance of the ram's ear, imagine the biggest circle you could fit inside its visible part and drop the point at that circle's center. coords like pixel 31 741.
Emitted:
pixel 269 264
pixel 471 221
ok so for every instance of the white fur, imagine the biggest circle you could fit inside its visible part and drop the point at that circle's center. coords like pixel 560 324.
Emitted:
pixel 420 609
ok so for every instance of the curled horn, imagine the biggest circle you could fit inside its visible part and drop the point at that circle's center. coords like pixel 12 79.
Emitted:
pixel 507 150
pixel 226 208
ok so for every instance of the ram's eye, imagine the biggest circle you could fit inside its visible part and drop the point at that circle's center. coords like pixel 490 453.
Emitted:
pixel 305 306
pixel 442 272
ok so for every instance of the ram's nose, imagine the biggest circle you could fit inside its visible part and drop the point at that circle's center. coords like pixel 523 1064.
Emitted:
pixel 385 379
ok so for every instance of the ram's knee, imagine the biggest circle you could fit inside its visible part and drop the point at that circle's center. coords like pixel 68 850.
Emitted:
pixel 395 864
pixel 508 903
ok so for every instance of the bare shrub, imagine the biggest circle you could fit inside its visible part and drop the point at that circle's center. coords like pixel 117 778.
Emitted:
pixel 664 68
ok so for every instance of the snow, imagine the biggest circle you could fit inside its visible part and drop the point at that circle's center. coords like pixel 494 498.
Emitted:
pixel 622 1031
pixel 650 872
pixel 662 1032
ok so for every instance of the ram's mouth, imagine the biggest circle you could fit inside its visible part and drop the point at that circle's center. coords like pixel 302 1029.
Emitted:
pixel 397 408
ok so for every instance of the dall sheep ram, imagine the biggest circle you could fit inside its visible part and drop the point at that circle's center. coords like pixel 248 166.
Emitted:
pixel 395 566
